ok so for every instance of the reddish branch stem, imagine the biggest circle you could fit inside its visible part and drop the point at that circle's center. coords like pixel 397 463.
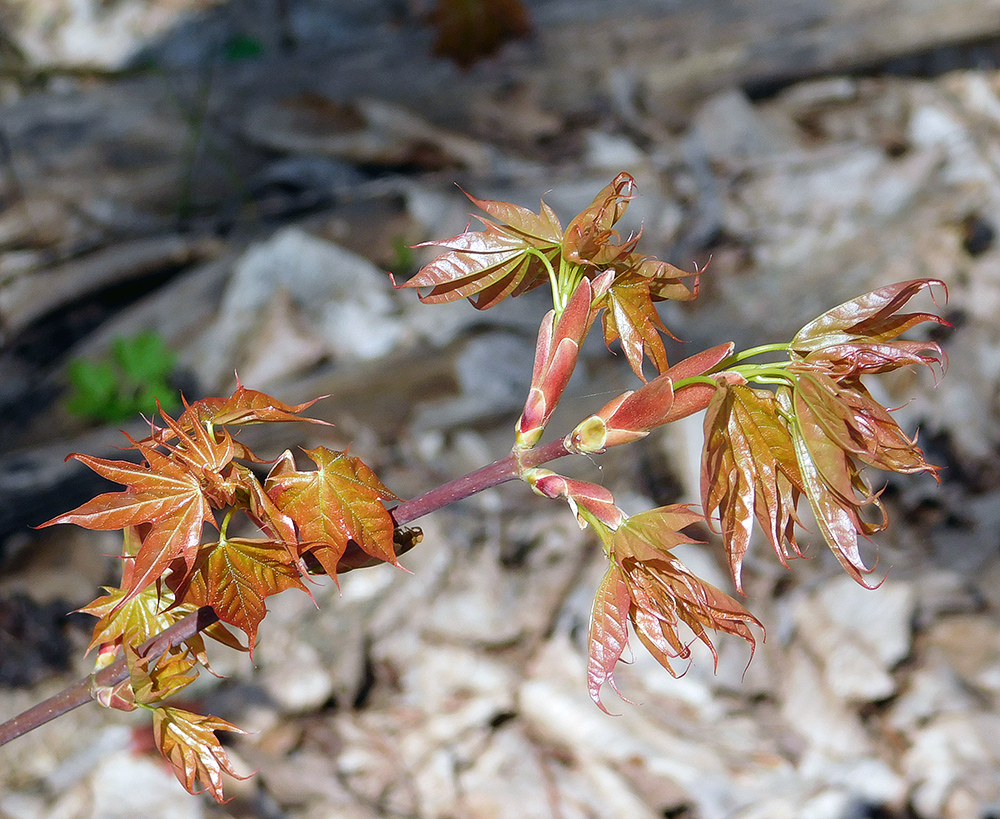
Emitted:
pixel 83 691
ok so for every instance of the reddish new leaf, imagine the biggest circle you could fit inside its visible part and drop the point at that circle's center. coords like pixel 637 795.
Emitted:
pixel 188 742
pixel 169 497
pixel 749 469
pixel 631 318
pixel 499 261
pixel 234 576
pixel 245 407
pixel 590 238
pixel 132 622
pixel 338 502
pixel 630 315
pixel 649 586
pixel 868 319
pixel 608 635
pixel 858 424
pixel 154 679
pixel 836 491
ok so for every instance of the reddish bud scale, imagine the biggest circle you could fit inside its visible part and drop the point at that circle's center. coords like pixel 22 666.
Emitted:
pixel 633 415
pixel 556 354
pixel 594 500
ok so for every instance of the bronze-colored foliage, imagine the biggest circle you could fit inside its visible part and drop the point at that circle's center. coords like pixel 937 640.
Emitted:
pixel 507 258
pixel 749 470
pixel 657 594
pixel 234 576
pixel 774 431
pixel 191 471
pixel 521 250
pixel 188 742
pixel 861 335
pixel 338 502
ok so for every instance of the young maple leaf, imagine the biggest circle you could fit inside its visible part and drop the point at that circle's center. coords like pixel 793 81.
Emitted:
pixel 749 469
pixel 654 591
pixel 499 261
pixel 154 679
pixel 630 315
pixel 234 576
pixel 336 503
pixel 860 335
pixel 162 493
pixel 833 483
pixel 857 423
pixel 188 742
pixel 244 407
pixel 131 622
pixel 608 635
pixel 590 238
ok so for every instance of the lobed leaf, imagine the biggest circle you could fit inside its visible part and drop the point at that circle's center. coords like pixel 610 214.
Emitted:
pixel 152 680
pixel 188 742
pixel 499 261
pixel 336 503
pixel 631 319
pixel 245 407
pixel 589 237
pixel 869 318
pixel 749 469
pixel 835 489
pixel 131 622
pixel 858 424
pixel 234 576
pixel 168 497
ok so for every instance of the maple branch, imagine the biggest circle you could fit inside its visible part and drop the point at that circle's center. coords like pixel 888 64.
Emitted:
pixel 487 477
pixel 82 692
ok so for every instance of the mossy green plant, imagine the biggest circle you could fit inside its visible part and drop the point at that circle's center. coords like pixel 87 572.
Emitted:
pixel 129 381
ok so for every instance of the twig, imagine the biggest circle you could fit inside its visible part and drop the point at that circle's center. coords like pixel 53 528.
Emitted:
pixel 83 691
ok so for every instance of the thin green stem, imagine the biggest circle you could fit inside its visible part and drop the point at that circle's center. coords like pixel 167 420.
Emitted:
pixel 753 351
pixel 553 279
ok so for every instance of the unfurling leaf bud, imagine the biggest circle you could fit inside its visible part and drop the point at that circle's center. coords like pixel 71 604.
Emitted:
pixel 633 415
pixel 587 500
pixel 555 358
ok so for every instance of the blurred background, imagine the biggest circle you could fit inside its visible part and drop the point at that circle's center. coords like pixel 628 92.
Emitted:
pixel 191 189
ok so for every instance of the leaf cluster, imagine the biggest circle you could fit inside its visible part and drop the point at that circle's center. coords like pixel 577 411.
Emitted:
pixel 518 250
pixel 178 555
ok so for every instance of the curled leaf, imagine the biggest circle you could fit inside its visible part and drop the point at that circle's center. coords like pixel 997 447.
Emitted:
pixel 859 336
pixel 749 470
pixel 504 259
pixel 608 634
pixel 188 742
